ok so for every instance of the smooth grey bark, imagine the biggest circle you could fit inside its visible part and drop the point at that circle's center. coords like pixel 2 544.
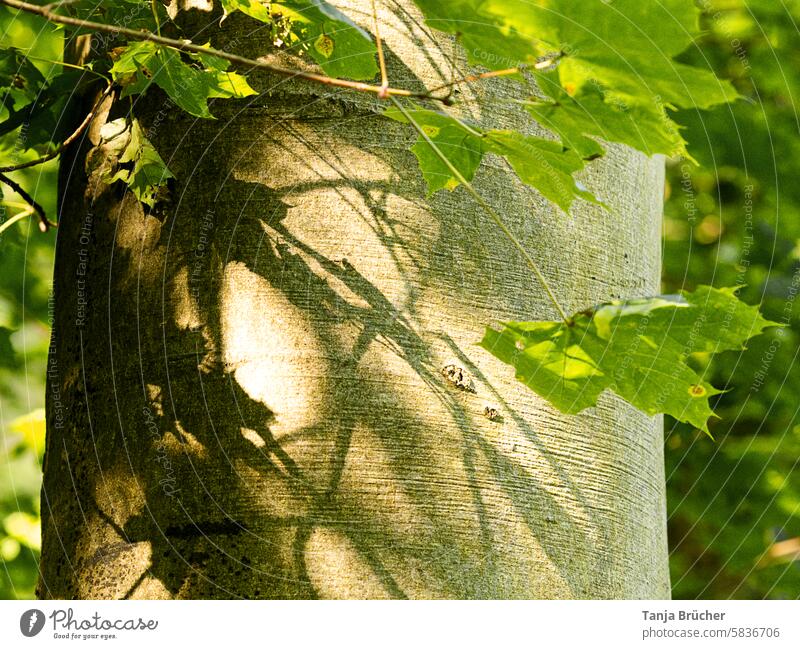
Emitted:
pixel 246 397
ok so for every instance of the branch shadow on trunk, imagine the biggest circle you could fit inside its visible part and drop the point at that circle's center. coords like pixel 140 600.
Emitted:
pixel 390 485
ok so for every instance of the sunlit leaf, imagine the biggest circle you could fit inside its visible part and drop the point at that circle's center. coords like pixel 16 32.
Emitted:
pixel 609 67
pixel 188 84
pixel 487 38
pixel 9 549
pixel 638 349
pixel 600 114
pixel 252 8
pixel 334 41
pixel 542 164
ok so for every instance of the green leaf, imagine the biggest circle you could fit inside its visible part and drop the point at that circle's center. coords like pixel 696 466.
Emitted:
pixel 609 68
pixel 25 528
pixel 133 14
pixel 61 114
pixel 339 46
pixel 542 164
pixel 596 113
pixel 31 430
pixel 189 85
pixel 626 45
pixel 252 8
pixel 48 117
pixel 143 170
pixel 41 105
pixel 638 349
pixel 18 77
pixel 463 147
pixel 486 37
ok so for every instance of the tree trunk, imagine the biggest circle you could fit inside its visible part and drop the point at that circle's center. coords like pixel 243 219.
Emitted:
pixel 246 396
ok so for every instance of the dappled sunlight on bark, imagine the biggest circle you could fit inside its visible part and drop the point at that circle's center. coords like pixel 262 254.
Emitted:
pixel 262 368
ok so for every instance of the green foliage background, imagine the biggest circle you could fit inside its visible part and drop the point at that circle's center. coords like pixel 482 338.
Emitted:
pixel 26 267
pixel 734 505
pixel 736 220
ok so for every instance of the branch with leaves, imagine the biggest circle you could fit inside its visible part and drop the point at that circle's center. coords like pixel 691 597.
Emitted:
pixel 603 72
pixel 192 48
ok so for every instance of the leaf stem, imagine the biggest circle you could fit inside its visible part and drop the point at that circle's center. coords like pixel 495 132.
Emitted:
pixel 470 130
pixel 488 209
pixel 453 64
pixel 155 16
pixel 84 68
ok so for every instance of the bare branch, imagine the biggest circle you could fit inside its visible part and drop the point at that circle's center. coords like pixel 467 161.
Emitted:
pixel 44 224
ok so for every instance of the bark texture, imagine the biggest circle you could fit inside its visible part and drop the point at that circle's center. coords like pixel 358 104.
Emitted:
pixel 245 396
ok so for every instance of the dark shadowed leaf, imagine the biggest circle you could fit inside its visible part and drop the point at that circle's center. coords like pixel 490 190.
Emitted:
pixel 142 169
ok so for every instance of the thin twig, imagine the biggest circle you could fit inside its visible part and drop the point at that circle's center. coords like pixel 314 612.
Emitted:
pixel 44 224
pixel 75 134
pixel 453 65
pixel 17 217
pixel 488 209
pixel 60 3
pixel 381 61
pixel 470 77
pixel 188 46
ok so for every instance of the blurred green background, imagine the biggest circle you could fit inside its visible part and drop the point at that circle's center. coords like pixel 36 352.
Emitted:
pixel 734 505
pixel 26 267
